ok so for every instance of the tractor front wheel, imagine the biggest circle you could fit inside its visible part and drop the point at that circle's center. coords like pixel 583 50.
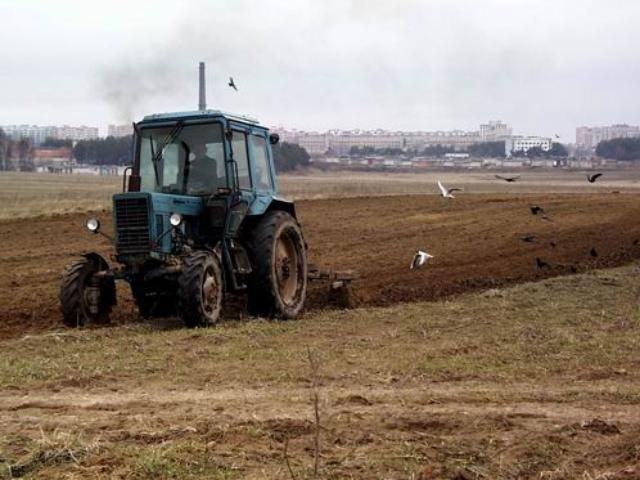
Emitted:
pixel 83 298
pixel 278 285
pixel 200 289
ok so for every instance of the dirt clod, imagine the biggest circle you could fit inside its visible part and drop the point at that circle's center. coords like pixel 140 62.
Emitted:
pixel 600 426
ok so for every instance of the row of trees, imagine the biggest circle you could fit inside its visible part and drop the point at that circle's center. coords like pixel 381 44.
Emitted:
pixel 619 149
pixel 437 150
pixel 104 151
pixel 487 149
pixel 15 154
pixel 51 142
pixel 19 154
pixel 290 156
pixel 357 151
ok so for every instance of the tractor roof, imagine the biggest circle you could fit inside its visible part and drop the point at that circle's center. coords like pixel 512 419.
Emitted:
pixel 196 114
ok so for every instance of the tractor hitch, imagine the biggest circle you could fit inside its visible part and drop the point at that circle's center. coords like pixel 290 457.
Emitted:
pixel 339 293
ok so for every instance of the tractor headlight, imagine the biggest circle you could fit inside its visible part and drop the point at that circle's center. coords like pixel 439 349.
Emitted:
pixel 175 219
pixel 93 224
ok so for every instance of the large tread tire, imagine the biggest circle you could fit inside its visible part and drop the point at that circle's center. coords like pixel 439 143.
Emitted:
pixel 73 304
pixel 274 291
pixel 200 289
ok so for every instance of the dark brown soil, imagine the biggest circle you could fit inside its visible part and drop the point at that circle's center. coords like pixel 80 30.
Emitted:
pixel 476 241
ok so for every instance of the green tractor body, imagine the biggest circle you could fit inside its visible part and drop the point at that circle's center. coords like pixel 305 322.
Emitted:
pixel 200 217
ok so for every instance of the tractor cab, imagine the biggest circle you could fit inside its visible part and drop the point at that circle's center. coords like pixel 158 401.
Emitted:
pixel 193 164
pixel 197 153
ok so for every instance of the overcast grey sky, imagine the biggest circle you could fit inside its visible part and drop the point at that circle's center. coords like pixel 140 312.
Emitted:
pixel 543 66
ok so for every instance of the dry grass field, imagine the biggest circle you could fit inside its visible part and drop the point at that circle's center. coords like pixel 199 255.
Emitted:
pixel 479 366
pixel 29 194
pixel 540 380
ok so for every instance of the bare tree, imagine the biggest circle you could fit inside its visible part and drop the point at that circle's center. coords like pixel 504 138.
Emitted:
pixel 25 155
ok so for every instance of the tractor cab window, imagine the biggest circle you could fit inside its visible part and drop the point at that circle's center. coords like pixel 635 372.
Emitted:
pixel 239 147
pixel 187 160
pixel 261 158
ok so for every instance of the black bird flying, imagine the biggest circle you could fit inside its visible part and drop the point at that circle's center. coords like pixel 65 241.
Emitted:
pixel 594 177
pixel 508 179
pixel 232 84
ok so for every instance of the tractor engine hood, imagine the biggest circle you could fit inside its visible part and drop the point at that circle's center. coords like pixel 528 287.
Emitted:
pixel 141 220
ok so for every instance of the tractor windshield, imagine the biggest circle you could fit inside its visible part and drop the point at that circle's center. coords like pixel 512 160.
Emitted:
pixel 186 160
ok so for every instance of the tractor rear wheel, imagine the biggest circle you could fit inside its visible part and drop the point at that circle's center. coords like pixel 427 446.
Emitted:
pixel 278 283
pixel 78 291
pixel 200 289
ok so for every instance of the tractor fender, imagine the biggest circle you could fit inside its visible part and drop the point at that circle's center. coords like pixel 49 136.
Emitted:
pixel 274 204
pixel 262 204
pixel 109 280
pixel 282 204
pixel 97 259
pixel 278 203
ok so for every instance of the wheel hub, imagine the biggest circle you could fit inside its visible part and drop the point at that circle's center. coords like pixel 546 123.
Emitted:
pixel 286 267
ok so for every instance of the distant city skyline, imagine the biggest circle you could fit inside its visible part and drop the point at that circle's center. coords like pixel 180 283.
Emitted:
pixel 586 137
pixel 546 67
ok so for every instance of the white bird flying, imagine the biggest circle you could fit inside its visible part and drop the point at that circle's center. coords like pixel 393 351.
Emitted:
pixel 447 192
pixel 420 259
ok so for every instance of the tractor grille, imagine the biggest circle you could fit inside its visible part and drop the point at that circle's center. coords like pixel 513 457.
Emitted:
pixel 132 223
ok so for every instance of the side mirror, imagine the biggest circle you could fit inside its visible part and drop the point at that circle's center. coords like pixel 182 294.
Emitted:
pixel 228 135
pixel 274 138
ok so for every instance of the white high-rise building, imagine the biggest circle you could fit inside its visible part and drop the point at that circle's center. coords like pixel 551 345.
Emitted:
pixel 76 133
pixel 119 130
pixel 495 130
pixel 589 137
pixel 39 134
pixel 523 144
pixel 340 142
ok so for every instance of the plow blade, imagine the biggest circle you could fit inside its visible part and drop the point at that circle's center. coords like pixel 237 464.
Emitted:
pixel 339 293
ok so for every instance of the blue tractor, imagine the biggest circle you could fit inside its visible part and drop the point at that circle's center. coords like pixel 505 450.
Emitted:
pixel 199 217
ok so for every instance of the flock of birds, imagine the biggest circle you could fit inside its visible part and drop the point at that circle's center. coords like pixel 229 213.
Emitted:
pixel 421 257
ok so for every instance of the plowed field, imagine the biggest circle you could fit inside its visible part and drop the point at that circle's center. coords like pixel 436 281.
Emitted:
pixel 476 241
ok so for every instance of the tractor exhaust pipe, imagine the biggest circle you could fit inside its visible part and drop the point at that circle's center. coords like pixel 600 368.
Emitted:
pixel 202 96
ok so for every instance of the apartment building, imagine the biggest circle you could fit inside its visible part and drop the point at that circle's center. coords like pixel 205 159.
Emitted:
pixel 340 142
pixel 494 131
pixel 588 137
pixel 38 134
pixel 523 144
pixel 119 130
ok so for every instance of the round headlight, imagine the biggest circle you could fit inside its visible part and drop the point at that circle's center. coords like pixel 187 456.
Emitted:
pixel 93 224
pixel 175 219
